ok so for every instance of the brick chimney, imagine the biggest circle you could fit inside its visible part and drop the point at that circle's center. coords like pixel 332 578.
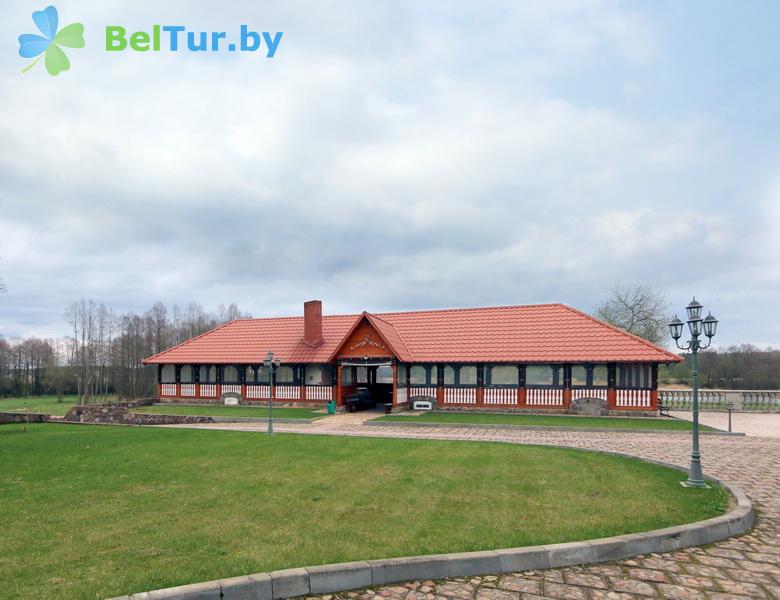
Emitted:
pixel 312 323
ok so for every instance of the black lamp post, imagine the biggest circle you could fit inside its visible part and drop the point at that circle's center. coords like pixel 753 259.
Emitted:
pixel 697 326
pixel 270 364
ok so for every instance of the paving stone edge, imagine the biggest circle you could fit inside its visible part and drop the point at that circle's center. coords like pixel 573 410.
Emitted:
pixel 338 577
pixel 373 423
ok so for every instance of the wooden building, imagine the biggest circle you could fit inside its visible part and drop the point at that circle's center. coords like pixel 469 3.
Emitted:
pixel 535 357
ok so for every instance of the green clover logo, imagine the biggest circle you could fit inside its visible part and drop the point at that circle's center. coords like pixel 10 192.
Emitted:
pixel 32 45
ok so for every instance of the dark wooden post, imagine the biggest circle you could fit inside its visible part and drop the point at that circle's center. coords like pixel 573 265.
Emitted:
pixel 480 385
pixel 521 396
pixel 566 386
pixel 654 386
pixel 339 384
pixel 612 386
pixel 440 384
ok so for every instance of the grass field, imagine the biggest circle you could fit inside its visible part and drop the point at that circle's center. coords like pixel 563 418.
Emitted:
pixel 42 404
pixel 544 420
pixel 95 512
pixel 230 411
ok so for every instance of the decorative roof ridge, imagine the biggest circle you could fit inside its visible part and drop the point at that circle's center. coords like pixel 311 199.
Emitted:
pixel 407 312
pixel 469 309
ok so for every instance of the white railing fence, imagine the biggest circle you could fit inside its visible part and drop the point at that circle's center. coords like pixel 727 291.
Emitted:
pixel 544 397
pixel 748 400
pixel 500 395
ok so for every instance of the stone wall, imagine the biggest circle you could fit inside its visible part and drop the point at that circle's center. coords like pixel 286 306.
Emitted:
pixel 119 414
pixel 13 417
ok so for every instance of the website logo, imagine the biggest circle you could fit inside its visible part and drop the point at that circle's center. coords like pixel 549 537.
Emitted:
pixel 176 38
pixel 49 45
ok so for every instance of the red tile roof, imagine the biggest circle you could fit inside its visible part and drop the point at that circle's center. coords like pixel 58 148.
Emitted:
pixel 533 333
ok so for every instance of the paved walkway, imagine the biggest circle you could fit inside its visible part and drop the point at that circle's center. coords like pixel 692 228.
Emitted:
pixel 744 567
pixel 753 424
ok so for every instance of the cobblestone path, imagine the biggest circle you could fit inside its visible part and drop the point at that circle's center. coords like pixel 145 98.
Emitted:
pixel 743 567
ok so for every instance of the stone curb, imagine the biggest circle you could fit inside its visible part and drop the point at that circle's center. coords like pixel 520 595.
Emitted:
pixel 213 422
pixel 374 423
pixel 339 577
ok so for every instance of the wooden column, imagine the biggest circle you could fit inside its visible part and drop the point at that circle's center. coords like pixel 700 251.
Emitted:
pixel 395 384
pixel 439 384
pixel 338 395
pixel 480 394
pixel 654 386
pixel 566 386
pixel 521 394
pixel 612 386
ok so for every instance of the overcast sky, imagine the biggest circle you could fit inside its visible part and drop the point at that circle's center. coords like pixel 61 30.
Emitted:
pixel 397 155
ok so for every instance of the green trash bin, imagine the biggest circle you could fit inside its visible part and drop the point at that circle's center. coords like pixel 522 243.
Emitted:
pixel 331 407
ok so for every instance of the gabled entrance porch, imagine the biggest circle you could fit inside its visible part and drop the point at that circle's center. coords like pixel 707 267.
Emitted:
pixel 367 365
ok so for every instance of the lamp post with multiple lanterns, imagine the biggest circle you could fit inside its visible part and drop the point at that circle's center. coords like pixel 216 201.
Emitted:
pixel 696 325
pixel 270 363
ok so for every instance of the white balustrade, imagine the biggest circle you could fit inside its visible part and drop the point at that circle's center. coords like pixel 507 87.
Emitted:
pixel 633 398
pixel 258 392
pixel 319 392
pixel 460 395
pixel 208 390
pixel 500 395
pixel 544 397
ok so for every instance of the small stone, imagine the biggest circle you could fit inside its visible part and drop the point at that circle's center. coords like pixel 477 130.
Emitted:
pixel 494 594
pixel 564 592
pixel 716 561
pixel 555 576
pixel 520 584
pixel 678 592
pixel 585 580
pixel 741 588
pixel 632 586
pixel 605 595
pixel 647 575
pixel 692 581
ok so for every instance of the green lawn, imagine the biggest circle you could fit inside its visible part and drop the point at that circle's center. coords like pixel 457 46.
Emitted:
pixel 95 512
pixel 42 404
pixel 230 411
pixel 544 420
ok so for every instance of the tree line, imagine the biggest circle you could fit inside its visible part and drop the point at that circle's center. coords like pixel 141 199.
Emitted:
pixel 744 367
pixel 103 352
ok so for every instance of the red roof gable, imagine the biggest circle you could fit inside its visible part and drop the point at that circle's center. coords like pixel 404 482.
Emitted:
pixel 534 333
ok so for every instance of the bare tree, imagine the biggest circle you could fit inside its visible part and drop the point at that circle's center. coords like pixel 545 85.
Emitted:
pixel 638 309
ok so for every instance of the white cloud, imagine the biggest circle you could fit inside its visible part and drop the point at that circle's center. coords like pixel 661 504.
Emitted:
pixel 393 155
